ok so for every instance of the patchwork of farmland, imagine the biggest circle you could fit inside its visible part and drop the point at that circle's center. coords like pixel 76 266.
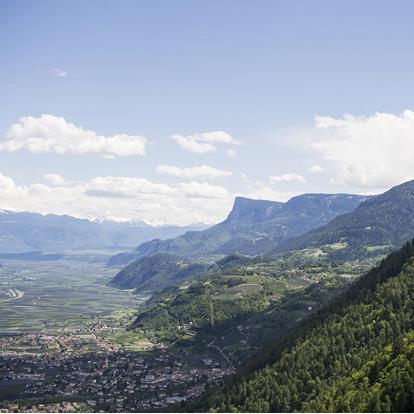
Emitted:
pixel 35 295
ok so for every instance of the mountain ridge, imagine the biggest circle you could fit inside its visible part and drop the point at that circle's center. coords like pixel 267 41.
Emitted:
pixel 24 232
pixel 252 227
pixel 378 225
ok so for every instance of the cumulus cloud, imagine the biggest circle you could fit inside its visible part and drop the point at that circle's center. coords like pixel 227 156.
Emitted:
pixel 288 178
pixel 8 189
pixel 205 142
pixel 202 172
pixel 129 186
pixel 54 179
pixel 49 133
pixel 195 189
pixel 60 73
pixel 316 169
pixel 367 151
pixel 120 198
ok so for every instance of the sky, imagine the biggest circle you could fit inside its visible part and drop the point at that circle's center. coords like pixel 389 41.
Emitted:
pixel 165 111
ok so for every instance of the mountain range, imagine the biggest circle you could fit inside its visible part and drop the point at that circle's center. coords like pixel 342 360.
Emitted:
pixel 335 227
pixel 377 225
pixel 253 227
pixel 22 232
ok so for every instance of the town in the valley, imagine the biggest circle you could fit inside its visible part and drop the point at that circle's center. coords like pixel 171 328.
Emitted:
pixel 94 368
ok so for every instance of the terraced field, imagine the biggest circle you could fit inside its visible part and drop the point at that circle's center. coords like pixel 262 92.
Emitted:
pixel 57 292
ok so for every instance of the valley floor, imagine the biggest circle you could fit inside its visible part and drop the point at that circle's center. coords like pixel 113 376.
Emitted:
pixel 42 294
pixel 65 347
pixel 66 344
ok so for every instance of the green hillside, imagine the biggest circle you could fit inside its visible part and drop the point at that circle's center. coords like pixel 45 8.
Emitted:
pixel 244 306
pixel 159 271
pixel 206 304
pixel 378 225
pixel 355 354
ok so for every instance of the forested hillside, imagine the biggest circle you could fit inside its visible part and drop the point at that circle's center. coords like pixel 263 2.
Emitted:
pixel 159 271
pixel 379 224
pixel 355 354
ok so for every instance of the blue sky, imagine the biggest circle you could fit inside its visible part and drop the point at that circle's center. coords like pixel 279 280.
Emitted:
pixel 258 71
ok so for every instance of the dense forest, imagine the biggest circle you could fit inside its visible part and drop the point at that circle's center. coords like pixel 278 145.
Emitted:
pixel 355 354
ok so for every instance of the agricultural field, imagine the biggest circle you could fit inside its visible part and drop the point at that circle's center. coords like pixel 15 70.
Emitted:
pixel 35 295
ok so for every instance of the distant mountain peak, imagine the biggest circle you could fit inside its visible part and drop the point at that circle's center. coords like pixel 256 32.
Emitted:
pixel 22 232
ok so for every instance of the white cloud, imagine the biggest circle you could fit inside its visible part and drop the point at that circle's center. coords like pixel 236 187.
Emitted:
pixel 49 133
pixel 192 145
pixel 288 178
pixel 129 186
pixel 367 151
pixel 261 191
pixel 231 152
pixel 202 171
pixel 60 73
pixel 264 192
pixel 316 169
pixel 8 189
pixel 54 179
pixel 121 198
pixel 203 190
pixel 201 143
pixel 215 136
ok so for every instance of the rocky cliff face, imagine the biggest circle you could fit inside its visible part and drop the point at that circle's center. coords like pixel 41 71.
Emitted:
pixel 253 211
